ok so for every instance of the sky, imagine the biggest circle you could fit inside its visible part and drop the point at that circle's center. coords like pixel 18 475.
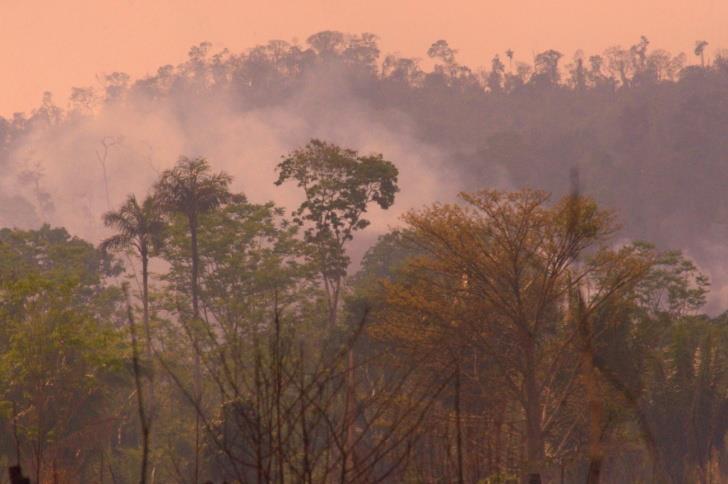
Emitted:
pixel 53 45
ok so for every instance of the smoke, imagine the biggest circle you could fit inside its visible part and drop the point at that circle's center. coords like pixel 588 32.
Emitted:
pixel 69 173
pixel 243 112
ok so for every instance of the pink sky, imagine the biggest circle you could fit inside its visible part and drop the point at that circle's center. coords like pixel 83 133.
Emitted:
pixel 56 44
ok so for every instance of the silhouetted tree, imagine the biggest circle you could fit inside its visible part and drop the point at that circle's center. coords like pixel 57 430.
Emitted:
pixel 191 189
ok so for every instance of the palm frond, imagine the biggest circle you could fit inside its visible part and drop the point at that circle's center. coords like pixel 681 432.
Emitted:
pixel 137 226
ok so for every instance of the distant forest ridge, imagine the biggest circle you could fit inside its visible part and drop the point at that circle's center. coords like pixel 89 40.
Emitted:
pixel 645 128
pixel 616 66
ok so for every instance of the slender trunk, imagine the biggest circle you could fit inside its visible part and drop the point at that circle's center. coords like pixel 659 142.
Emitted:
pixel 534 433
pixel 498 450
pixel 333 289
pixel 16 438
pixel 595 404
pixel 258 420
pixel 195 263
pixel 148 347
pixel 143 418
pixel 307 477
pixel 279 389
pixel 458 426
pixel 145 302
pixel 349 461
pixel 195 317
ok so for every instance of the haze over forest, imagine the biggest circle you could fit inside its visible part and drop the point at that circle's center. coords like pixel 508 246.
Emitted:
pixel 318 261
pixel 643 126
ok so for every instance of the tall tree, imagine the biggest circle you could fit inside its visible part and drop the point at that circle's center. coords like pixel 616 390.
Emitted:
pixel 62 357
pixel 700 46
pixel 191 189
pixel 495 77
pixel 139 228
pixel 339 185
pixel 510 261
pixel 546 65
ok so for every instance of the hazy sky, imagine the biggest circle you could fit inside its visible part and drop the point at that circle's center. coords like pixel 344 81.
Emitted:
pixel 55 44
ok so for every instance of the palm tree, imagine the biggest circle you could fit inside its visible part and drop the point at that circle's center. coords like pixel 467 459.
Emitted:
pixel 700 46
pixel 139 228
pixel 509 54
pixel 191 189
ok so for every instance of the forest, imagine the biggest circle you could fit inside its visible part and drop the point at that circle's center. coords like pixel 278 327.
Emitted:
pixel 318 263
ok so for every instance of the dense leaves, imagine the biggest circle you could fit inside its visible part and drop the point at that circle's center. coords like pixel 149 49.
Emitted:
pixel 505 334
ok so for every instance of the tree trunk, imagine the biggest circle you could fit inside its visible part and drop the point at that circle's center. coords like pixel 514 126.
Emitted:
pixel 145 302
pixel 148 334
pixel 350 417
pixel 307 476
pixel 16 438
pixel 333 289
pixel 534 433
pixel 458 426
pixel 278 397
pixel 195 266
pixel 595 405
pixel 149 413
pixel 196 317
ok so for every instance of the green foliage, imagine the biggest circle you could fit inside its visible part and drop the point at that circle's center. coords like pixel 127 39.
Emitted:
pixel 56 254
pixel 190 188
pixel 60 348
pixel 138 226
pixel 249 253
pixel 520 294
pixel 674 285
pixel 339 184
pixel 659 365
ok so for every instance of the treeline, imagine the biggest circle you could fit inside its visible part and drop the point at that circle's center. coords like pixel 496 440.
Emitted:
pixel 645 126
pixel 504 337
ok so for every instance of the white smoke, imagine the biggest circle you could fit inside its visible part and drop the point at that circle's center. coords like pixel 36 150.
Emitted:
pixel 89 164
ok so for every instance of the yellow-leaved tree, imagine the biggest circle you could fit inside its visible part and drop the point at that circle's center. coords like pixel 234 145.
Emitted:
pixel 518 278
